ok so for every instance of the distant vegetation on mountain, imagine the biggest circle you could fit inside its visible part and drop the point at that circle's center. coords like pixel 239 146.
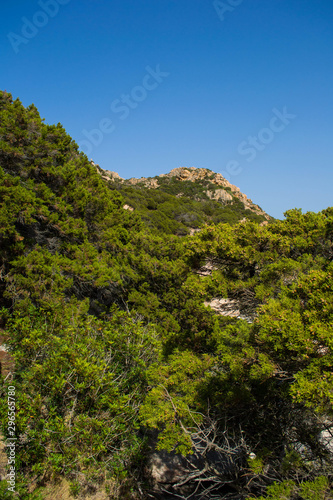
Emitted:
pixel 169 338
pixel 185 200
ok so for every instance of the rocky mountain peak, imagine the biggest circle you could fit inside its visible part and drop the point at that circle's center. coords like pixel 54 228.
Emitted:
pixel 217 187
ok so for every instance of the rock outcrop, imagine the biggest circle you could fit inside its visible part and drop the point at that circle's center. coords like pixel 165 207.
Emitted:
pixel 232 308
pixel 214 464
pixel 219 195
pixel 6 360
pixel 218 188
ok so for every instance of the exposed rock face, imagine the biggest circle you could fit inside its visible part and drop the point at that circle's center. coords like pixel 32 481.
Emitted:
pixel 6 361
pixel 127 207
pixel 233 308
pixel 219 195
pixel 225 307
pixel 207 268
pixel 166 468
pixel 111 176
pixel 326 439
pixel 149 183
pixel 175 476
pixel 227 193
pixel 106 174
pixel 199 174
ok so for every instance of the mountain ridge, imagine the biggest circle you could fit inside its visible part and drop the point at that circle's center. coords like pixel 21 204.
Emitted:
pixel 216 187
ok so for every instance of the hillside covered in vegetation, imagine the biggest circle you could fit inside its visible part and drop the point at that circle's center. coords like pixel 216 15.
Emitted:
pixel 140 346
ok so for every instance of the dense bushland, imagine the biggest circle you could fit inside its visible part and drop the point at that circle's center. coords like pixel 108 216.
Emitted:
pixel 176 206
pixel 103 311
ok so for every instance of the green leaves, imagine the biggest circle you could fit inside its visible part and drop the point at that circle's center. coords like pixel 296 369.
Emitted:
pixel 172 403
pixel 79 384
pixel 296 331
pixel 103 311
pixel 307 490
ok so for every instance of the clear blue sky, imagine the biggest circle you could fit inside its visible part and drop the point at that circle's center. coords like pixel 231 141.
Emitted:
pixel 89 64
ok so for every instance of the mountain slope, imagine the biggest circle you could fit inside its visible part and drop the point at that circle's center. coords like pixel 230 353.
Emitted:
pixel 127 343
pixel 185 199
